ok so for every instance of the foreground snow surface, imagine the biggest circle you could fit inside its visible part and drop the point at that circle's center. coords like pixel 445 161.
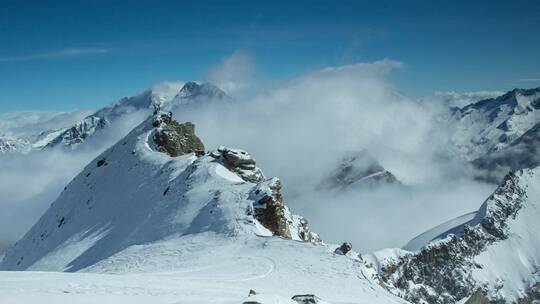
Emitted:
pixel 205 268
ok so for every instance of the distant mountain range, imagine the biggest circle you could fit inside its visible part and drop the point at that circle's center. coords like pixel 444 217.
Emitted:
pixel 170 95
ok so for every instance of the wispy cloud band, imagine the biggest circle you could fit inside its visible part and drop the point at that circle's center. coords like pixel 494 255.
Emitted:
pixel 71 52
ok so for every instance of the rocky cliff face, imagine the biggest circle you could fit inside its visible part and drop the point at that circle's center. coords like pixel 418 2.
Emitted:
pixel 453 268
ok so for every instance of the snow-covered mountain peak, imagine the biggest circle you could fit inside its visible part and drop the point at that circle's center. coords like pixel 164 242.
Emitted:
pixel 192 92
pixel 170 95
pixel 356 170
pixel 143 190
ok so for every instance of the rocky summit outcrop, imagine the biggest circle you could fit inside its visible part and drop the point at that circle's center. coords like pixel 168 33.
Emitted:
pixel 240 162
pixel 175 138
pixel 456 267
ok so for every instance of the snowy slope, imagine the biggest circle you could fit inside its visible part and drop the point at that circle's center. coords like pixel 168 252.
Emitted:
pixel 453 226
pixel 498 251
pixel 204 269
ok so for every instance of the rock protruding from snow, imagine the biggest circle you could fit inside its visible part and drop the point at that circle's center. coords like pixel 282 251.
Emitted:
pixel 272 213
pixel 481 255
pixel 344 248
pixel 355 170
pixel 306 299
pixel 240 162
pixel 269 209
pixel 175 138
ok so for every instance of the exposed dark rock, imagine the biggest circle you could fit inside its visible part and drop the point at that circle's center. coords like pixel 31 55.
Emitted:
pixel 102 162
pixel 306 299
pixel 270 211
pixel 252 292
pixel 344 248
pixel 240 162
pixel 174 138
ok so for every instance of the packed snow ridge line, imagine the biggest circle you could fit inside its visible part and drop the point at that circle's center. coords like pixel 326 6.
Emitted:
pixel 156 183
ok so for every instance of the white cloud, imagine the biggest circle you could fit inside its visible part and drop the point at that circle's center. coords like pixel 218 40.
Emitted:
pixel 235 73
pixel 71 52
pixel 299 130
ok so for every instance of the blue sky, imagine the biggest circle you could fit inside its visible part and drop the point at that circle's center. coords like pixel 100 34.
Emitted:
pixel 57 55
